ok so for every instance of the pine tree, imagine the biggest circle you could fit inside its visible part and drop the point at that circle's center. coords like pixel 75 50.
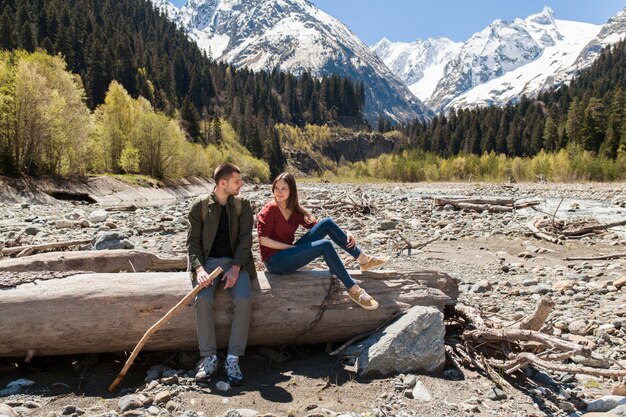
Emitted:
pixel 190 120
pixel 550 135
pixel 6 29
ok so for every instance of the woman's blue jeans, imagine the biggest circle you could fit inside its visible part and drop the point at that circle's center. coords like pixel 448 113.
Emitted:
pixel 312 245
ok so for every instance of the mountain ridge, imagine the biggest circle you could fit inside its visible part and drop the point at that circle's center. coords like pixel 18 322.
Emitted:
pixel 504 61
pixel 294 36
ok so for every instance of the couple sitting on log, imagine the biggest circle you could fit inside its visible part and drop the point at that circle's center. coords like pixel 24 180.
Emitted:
pixel 221 236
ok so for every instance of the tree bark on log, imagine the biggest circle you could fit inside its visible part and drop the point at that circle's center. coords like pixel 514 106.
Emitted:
pixel 109 312
pixel 97 261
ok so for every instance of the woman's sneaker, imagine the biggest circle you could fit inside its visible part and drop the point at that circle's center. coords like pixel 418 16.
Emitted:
pixel 373 262
pixel 235 378
pixel 207 368
pixel 364 300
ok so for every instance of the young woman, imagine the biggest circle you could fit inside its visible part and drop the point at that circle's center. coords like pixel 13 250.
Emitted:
pixel 277 224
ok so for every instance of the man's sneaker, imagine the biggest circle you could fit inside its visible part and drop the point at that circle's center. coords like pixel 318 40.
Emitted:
pixel 235 378
pixel 207 368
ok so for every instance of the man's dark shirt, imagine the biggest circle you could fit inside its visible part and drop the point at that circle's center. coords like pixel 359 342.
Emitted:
pixel 221 245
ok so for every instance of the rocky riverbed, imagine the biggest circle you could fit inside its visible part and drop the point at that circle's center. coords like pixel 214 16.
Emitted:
pixel 503 270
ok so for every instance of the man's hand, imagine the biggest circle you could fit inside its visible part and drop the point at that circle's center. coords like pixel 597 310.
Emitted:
pixel 351 240
pixel 231 276
pixel 202 277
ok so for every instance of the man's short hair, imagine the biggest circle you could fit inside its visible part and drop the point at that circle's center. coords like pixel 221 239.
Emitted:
pixel 225 171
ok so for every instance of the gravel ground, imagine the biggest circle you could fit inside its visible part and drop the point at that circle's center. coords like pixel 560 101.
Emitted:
pixel 503 270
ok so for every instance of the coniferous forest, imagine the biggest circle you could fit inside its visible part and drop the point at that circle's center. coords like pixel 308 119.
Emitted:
pixel 589 113
pixel 132 43
pixel 73 69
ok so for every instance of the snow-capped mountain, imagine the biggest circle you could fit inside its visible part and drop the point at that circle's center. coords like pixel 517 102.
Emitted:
pixel 504 61
pixel 295 36
pixel 420 64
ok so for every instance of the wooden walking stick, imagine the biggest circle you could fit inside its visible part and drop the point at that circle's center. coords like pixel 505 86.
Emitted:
pixel 157 325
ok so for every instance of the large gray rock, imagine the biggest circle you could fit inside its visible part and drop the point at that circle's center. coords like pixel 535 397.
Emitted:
pixel 6 411
pixel 414 342
pixel 111 240
pixel 619 411
pixel 606 403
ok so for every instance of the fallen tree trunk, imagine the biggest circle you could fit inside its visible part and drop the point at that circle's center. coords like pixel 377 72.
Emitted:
pixel 110 312
pixel 97 261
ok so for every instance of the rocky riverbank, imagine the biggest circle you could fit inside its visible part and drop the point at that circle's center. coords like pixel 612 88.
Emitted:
pixel 503 268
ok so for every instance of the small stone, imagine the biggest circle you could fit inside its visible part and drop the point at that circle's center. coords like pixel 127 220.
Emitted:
pixel 525 255
pixel 134 413
pixel 544 378
pixel 387 225
pixel 420 392
pixel 170 380
pixel 241 412
pixel 481 286
pixel 620 282
pixel 496 394
pixel 409 381
pixel 98 216
pixel 162 397
pixel 567 406
pixel 222 386
pixel 578 327
pixel 70 409
pixel 171 406
pixel 619 389
pixel 563 285
pixel 561 325
pixel 128 402
pixel 32 230
pixel 64 224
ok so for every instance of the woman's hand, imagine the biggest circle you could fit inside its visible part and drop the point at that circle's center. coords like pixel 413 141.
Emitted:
pixel 351 240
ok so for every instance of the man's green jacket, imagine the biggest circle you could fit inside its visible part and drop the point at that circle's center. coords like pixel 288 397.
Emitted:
pixel 202 232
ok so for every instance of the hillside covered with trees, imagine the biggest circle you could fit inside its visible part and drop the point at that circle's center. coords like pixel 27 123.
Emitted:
pixel 133 44
pixel 589 113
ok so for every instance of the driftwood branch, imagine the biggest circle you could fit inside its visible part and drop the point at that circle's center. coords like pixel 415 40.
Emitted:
pixel 596 258
pixel 156 326
pixel 526 358
pixel 46 246
pixel 593 229
pixel 500 205
pixel 542 235
pixel 539 316
pixel 507 335
pixel 507 349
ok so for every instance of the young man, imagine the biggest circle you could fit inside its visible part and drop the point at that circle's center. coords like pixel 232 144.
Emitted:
pixel 221 235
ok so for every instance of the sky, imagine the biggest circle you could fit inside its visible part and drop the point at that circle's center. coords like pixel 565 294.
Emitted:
pixel 458 20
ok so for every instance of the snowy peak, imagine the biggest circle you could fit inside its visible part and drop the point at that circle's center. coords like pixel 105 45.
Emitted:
pixel 295 36
pixel 612 32
pixel 504 61
pixel 543 28
pixel 419 62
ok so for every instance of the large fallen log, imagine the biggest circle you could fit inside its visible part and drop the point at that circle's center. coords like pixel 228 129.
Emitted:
pixel 105 312
pixel 117 260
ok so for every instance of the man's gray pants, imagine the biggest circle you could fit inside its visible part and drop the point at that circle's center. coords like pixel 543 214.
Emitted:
pixel 205 318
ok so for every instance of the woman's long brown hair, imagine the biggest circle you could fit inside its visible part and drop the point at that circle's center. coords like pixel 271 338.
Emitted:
pixel 293 203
